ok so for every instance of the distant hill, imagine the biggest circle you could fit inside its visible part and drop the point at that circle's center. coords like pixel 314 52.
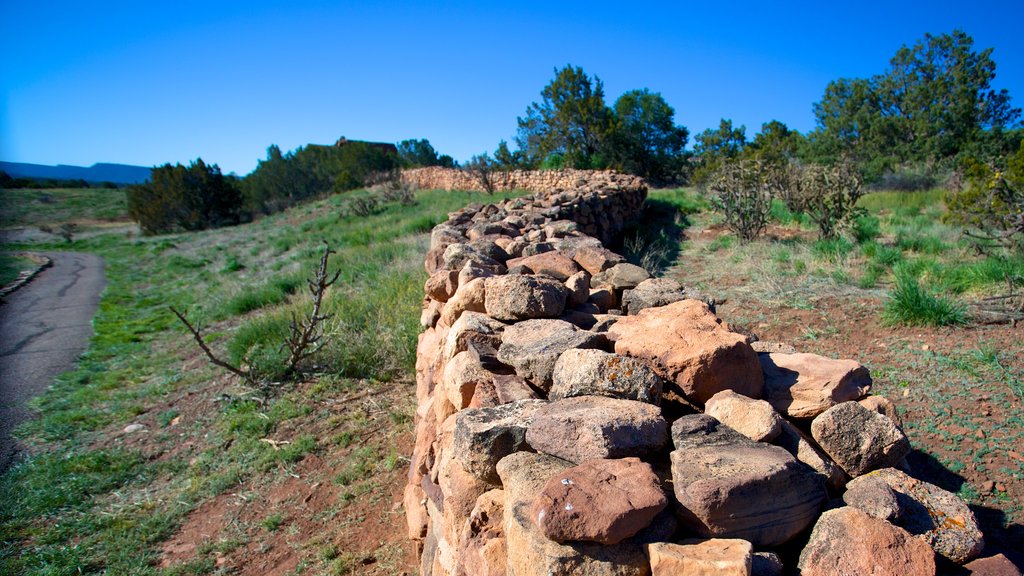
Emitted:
pixel 117 173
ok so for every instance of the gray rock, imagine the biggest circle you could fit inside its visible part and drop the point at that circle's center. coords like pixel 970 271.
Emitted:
pixel 483 436
pixel 728 486
pixel 873 496
pixel 599 373
pixel 858 439
pixel 589 427
pixel 519 297
pixel 655 292
pixel 620 277
pixel 532 347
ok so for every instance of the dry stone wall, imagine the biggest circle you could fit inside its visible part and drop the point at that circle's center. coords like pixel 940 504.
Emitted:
pixel 576 416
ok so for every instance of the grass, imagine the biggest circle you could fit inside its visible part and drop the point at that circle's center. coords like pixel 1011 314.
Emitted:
pixel 85 501
pixel 913 305
pixel 31 207
pixel 11 266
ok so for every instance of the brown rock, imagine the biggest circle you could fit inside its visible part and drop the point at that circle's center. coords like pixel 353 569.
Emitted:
pixel 603 299
pixel 939 517
pixel 471 330
pixel 655 292
pixel 482 549
pixel 593 427
pixel 728 486
pixel 579 288
pixel 596 260
pixel 604 501
pixel 688 345
pixel 883 406
pixel 501 389
pixel 469 297
pixel 805 385
pixel 848 542
pixel 414 501
pixel 461 376
pixel 858 439
pixel 620 277
pixel 518 297
pixel 998 565
pixel 755 419
pixel 555 264
pixel 598 373
pixel 442 285
pixel 715 557
pixel 532 347
pixel 523 475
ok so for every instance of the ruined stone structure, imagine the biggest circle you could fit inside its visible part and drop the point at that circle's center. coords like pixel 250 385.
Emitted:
pixel 576 416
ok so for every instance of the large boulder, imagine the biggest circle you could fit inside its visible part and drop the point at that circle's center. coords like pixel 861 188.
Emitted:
pixel 516 297
pixel 592 372
pixel 755 419
pixel 728 486
pixel 858 439
pixel 691 347
pixel 714 557
pixel 939 517
pixel 604 501
pixel 805 385
pixel 591 427
pixel 523 476
pixel 848 542
pixel 483 436
pixel 532 347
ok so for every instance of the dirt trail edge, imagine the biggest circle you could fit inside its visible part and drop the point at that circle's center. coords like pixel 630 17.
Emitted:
pixel 44 326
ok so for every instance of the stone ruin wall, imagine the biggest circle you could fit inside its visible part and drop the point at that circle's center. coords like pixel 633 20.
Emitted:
pixel 576 416
pixel 540 181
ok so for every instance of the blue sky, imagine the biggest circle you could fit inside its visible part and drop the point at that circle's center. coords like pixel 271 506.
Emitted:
pixel 152 82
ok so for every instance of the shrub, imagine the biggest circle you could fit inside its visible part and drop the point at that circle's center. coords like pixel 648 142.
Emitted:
pixel 911 304
pixel 990 207
pixel 742 191
pixel 829 194
pixel 184 198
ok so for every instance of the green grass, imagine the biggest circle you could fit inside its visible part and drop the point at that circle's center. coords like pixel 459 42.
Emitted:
pixel 78 505
pixel 913 305
pixel 11 266
pixel 29 207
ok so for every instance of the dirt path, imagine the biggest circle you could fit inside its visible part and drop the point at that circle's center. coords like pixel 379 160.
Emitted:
pixel 44 326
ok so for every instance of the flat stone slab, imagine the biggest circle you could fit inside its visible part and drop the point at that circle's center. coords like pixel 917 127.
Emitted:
pixel 592 427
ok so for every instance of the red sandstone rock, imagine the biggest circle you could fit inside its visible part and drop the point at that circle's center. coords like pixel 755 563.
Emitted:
pixel 755 419
pixel 596 260
pixel 604 501
pixel 555 264
pixel 688 345
pixel 848 542
pixel 805 385
pixel 442 285
pixel 715 557
pixel 998 565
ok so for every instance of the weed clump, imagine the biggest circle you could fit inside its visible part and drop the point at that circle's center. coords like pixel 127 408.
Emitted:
pixel 913 305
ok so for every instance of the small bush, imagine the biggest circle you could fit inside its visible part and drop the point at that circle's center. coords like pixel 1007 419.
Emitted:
pixel 866 228
pixel 832 249
pixel 742 191
pixel 829 194
pixel 913 305
pixel 991 207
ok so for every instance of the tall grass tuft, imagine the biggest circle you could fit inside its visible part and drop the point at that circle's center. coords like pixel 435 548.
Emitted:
pixel 915 306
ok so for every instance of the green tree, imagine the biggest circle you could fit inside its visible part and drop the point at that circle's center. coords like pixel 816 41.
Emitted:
pixel 184 198
pixel 714 147
pixel 645 139
pixel 934 103
pixel 505 159
pixel 571 121
pixel 416 153
pixel 990 207
pixel 775 143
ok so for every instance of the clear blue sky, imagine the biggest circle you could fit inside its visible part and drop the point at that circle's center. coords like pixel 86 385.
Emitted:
pixel 148 82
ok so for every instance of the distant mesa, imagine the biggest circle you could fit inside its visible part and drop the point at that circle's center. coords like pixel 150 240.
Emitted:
pixel 101 172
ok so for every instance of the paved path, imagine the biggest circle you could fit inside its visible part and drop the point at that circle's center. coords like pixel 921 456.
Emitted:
pixel 44 326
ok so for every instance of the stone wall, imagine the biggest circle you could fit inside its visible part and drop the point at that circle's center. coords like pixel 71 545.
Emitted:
pixel 539 181
pixel 576 416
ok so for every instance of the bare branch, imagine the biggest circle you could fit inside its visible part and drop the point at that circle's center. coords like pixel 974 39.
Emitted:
pixel 206 349
pixel 305 335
